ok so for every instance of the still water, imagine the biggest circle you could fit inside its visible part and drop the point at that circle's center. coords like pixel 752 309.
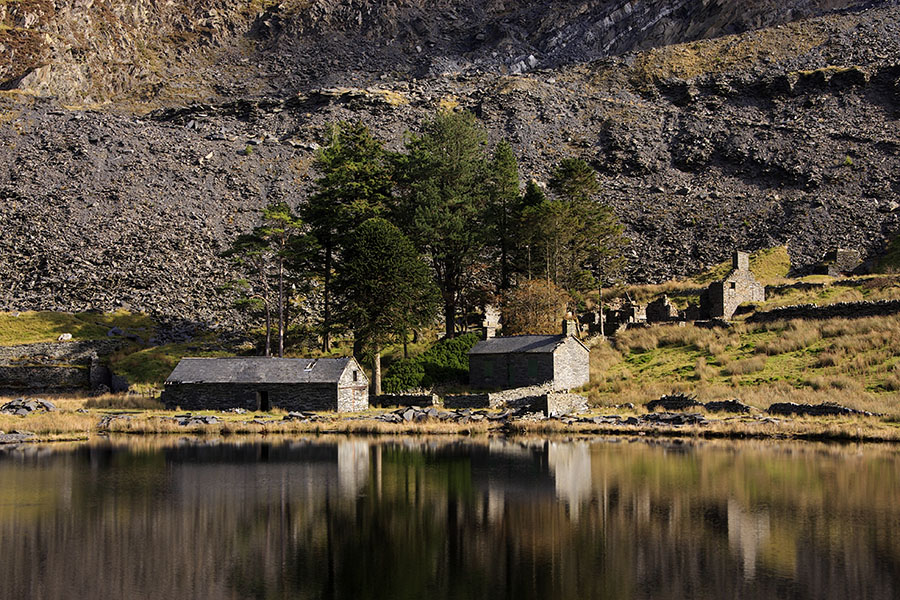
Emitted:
pixel 447 518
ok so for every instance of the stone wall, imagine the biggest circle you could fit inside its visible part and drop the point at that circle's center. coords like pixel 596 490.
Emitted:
pixel 509 370
pixel 571 366
pixel 467 401
pixel 58 367
pixel 521 397
pixel 44 378
pixel 847 310
pixel 68 352
pixel 408 400
pixel 222 396
pixel 556 404
pixel 352 398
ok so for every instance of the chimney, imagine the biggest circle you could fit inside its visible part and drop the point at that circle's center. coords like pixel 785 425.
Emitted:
pixel 740 261
pixel 569 327
pixel 491 321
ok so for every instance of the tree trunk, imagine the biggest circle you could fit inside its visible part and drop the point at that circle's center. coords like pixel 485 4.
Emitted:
pixel 600 301
pixel 326 293
pixel 405 345
pixel 281 307
pixel 449 318
pixel 268 327
pixel 376 372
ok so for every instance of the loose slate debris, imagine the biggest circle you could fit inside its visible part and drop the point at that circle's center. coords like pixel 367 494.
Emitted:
pixel 817 410
pixel 108 419
pixel 463 416
pixel 731 406
pixel 23 407
pixel 674 402
pixel 188 421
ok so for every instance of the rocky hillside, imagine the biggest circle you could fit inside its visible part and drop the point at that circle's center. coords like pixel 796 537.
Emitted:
pixel 123 162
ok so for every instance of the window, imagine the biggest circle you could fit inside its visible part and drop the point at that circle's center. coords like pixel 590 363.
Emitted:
pixel 733 285
pixel 355 375
pixel 488 368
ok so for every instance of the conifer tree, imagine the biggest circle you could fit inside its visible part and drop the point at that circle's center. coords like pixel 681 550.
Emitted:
pixel 503 202
pixel 442 207
pixel 355 184
pixel 385 287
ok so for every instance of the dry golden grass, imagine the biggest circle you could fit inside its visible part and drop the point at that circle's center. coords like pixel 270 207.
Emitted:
pixel 745 366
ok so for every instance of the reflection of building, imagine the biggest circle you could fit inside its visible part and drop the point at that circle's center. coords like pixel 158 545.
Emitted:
pixel 570 463
pixel 353 466
pixel 747 532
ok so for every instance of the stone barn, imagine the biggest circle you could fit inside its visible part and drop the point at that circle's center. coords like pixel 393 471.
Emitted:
pixel 304 384
pixel 722 298
pixel 524 360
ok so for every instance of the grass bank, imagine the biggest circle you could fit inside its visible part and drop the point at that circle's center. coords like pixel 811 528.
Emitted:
pixel 71 424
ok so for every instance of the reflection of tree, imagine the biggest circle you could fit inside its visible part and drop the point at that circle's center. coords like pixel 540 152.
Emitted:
pixel 422 518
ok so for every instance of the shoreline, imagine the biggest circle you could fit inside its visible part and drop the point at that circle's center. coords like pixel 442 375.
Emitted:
pixel 69 426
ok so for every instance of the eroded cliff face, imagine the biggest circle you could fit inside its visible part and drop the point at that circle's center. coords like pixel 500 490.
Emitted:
pixel 785 135
pixel 141 53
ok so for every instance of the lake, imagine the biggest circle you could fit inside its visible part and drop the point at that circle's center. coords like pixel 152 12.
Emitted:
pixel 444 517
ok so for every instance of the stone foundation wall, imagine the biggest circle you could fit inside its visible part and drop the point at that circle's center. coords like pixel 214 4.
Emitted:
pixel 408 400
pixel 557 404
pixel 847 310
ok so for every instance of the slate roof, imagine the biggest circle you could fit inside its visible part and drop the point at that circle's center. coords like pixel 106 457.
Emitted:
pixel 259 370
pixel 517 344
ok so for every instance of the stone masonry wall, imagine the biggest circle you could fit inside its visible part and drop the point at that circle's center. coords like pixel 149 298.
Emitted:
pixel 557 404
pixel 222 396
pixel 571 366
pixel 846 310
pixel 510 370
pixel 57 366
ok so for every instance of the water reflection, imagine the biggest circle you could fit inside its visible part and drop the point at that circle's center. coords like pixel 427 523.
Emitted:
pixel 445 518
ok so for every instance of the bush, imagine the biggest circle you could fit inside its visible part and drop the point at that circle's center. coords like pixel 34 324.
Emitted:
pixel 405 374
pixel 447 361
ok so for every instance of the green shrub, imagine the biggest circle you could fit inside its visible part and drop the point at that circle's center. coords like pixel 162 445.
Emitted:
pixel 447 361
pixel 405 374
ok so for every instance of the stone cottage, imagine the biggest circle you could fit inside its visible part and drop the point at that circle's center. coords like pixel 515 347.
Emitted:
pixel 305 384
pixel 722 298
pixel 525 360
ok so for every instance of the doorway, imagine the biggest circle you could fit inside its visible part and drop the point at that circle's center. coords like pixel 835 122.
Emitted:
pixel 262 401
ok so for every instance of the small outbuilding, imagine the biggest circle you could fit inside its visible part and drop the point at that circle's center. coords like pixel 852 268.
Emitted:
pixel 304 384
pixel 561 361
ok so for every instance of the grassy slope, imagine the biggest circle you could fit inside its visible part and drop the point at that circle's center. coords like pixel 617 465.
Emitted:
pixel 33 327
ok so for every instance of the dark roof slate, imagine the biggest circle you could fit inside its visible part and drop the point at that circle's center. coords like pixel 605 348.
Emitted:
pixel 517 344
pixel 258 370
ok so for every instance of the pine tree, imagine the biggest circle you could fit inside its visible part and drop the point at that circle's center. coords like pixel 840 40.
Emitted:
pixel 385 288
pixel 503 201
pixel 442 208
pixel 355 184
pixel 271 256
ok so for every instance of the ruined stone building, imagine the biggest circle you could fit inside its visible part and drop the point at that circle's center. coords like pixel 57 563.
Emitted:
pixel 722 298
pixel 305 384
pixel 524 360
pixel 840 262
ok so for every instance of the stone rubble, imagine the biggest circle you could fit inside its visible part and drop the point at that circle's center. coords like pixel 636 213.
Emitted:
pixel 23 407
pixel 818 410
